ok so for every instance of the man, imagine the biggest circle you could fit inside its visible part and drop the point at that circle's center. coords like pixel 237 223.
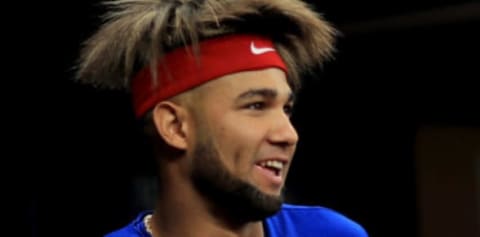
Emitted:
pixel 214 83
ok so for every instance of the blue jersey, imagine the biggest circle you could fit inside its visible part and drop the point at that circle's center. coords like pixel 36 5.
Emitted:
pixel 290 221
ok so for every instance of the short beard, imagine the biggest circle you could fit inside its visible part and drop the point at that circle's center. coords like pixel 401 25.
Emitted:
pixel 229 196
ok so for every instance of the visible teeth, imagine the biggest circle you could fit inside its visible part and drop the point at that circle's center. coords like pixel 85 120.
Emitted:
pixel 272 164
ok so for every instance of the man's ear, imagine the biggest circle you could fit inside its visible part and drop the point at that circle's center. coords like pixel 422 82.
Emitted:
pixel 171 123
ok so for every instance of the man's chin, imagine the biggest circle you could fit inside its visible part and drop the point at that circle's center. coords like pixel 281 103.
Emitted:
pixel 229 195
pixel 266 204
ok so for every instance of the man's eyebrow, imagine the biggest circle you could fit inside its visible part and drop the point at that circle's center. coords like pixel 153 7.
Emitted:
pixel 265 92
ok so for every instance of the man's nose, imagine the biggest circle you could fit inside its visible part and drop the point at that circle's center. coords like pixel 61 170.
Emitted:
pixel 282 131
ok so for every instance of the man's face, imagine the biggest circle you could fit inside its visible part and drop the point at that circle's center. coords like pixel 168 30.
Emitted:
pixel 244 140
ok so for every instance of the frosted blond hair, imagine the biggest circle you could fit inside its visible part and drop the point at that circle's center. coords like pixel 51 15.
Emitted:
pixel 137 33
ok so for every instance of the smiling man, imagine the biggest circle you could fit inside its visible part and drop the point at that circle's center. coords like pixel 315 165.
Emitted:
pixel 214 84
pixel 246 142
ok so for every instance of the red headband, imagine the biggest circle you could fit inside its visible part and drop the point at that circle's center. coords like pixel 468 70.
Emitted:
pixel 180 71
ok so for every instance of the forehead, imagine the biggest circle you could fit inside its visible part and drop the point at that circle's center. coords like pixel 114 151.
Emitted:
pixel 233 84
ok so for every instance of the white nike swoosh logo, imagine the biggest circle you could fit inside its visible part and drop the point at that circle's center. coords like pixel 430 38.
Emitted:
pixel 258 51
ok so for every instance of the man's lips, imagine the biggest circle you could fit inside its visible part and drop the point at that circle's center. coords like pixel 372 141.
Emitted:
pixel 272 170
pixel 276 166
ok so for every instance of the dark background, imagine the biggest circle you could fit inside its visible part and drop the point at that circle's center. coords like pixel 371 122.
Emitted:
pixel 400 65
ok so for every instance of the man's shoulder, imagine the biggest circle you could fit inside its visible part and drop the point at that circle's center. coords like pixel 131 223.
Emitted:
pixel 126 231
pixel 297 220
pixel 133 229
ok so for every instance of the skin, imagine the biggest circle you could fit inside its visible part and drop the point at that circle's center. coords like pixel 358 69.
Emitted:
pixel 247 118
pixel 239 122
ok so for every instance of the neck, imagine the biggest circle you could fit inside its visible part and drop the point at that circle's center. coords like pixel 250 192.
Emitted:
pixel 181 211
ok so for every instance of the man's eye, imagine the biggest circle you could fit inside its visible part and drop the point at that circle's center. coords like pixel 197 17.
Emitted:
pixel 256 106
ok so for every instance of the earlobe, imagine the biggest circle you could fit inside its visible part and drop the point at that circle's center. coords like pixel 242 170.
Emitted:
pixel 170 123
